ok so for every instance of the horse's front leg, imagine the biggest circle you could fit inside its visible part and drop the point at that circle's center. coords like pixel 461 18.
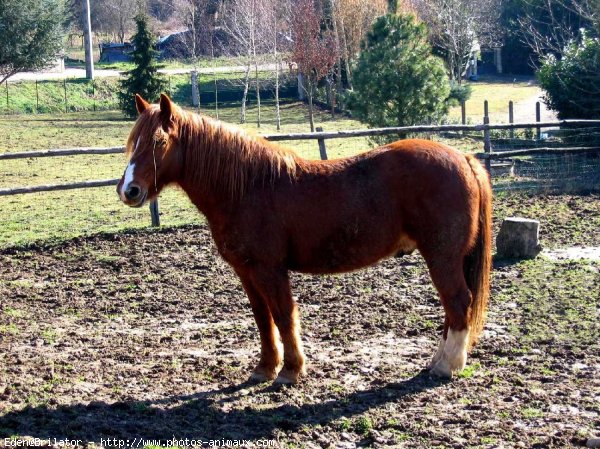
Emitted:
pixel 270 358
pixel 274 286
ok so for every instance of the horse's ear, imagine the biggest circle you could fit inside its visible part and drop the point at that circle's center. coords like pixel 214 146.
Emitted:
pixel 166 111
pixel 140 104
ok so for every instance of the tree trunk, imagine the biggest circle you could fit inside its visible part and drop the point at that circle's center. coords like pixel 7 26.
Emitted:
pixel 338 53
pixel 277 109
pixel 346 55
pixel 310 93
pixel 87 32
pixel 257 93
pixel 245 96
pixel 212 55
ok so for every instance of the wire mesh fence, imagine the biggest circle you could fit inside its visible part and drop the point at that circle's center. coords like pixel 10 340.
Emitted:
pixel 76 94
pixel 568 159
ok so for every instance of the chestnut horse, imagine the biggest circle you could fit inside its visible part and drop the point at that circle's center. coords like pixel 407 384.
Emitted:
pixel 271 211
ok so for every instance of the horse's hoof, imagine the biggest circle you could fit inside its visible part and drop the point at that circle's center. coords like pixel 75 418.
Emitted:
pixel 438 354
pixel 288 377
pixel 441 369
pixel 284 380
pixel 263 375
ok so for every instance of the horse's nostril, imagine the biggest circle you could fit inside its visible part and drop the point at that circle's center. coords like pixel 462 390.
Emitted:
pixel 132 192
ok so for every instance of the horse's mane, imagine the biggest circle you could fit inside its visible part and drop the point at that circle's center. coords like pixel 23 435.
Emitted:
pixel 223 156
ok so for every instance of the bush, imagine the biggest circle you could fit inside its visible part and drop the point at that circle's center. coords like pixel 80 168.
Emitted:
pixel 572 83
pixel 397 80
pixel 459 93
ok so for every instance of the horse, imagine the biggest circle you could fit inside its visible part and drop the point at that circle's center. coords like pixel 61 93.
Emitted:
pixel 271 212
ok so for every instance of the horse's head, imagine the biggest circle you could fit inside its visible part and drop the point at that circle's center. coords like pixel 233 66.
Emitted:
pixel 153 146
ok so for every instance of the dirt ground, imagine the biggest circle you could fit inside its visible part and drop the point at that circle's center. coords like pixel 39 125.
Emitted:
pixel 149 335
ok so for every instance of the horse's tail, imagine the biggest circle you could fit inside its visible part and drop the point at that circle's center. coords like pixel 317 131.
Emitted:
pixel 478 262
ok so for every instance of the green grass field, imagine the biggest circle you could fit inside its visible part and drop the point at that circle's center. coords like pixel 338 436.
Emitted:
pixel 78 95
pixel 498 93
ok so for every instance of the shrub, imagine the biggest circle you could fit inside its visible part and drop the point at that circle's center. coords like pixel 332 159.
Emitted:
pixel 572 83
pixel 459 93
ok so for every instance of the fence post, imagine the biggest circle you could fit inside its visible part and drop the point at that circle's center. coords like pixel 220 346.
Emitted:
pixel 7 102
pixel 37 97
pixel 538 118
pixel 94 94
pixel 195 96
pixel 322 149
pixel 463 112
pixel 65 86
pixel 154 213
pixel 216 96
pixel 511 117
pixel 487 143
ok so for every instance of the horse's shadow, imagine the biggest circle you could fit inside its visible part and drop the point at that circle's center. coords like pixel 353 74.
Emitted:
pixel 203 415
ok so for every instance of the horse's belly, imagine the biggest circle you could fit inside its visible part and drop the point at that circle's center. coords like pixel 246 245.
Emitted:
pixel 351 252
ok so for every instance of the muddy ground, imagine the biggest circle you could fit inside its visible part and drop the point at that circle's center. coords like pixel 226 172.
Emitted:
pixel 149 335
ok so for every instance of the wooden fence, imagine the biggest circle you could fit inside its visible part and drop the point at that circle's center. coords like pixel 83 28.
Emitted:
pixel 321 136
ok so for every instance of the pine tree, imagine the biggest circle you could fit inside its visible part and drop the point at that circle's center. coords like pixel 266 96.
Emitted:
pixel 397 81
pixel 144 79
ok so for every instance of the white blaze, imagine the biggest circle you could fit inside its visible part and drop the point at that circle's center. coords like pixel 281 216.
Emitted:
pixel 129 171
pixel 127 179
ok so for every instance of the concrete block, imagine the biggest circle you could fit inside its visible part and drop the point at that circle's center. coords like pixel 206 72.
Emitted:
pixel 518 238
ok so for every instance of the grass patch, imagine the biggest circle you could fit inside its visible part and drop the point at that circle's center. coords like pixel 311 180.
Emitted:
pixel 531 413
pixel 498 95
pixel 9 329
pixel 79 94
pixel 469 371
pixel 557 303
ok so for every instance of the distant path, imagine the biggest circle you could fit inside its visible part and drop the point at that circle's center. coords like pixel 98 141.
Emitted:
pixel 525 110
pixel 103 73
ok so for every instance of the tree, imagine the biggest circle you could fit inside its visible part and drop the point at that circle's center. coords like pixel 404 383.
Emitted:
pixel 457 25
pixel 397 81
pixel 312 49
pixel 549 26
pixel 354 19
pixel 572 83
pixel 144 78
pixel 31 35
pixel 248 24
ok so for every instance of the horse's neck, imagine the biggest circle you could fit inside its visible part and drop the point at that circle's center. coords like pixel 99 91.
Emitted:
pixel 211 181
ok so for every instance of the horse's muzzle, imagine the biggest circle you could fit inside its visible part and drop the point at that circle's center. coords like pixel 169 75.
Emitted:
pixel 134 195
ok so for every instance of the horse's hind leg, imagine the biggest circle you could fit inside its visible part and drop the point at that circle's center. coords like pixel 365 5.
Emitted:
pixel 274 286
pixel 270 358
pixel 449 280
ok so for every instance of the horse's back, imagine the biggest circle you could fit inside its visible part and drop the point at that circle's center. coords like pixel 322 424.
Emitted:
pixel 344 214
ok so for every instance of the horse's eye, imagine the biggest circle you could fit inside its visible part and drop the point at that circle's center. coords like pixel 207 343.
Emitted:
pixel 160 138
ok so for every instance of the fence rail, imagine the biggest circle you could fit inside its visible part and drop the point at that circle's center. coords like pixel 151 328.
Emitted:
pixel 325 135
pixel 488 155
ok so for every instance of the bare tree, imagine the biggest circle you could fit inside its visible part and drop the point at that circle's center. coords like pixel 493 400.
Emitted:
pixel 115 17
pixel 312 49
pixel 457 25
pixel 353 18
pixel 238 20
pixel 251 28
pixel 548 26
